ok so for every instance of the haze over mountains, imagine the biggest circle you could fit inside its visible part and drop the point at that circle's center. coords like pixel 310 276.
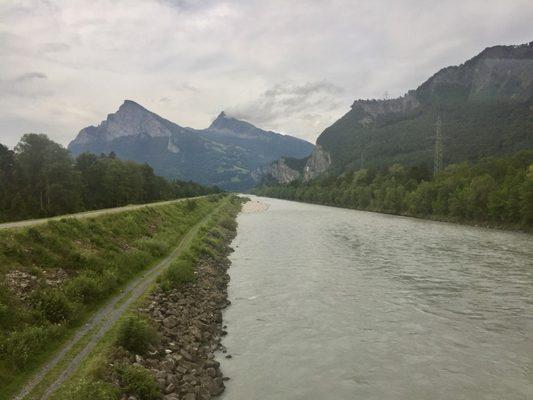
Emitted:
pixel 224 154
pixel 485 105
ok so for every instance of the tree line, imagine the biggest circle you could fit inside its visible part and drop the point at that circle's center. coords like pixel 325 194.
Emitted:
pixel 39 178
pixel 492 191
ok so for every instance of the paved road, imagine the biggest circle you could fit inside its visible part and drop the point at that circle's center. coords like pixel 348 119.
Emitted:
pixel 105 318
pixel 87 214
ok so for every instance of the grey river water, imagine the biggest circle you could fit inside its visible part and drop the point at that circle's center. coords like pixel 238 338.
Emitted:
pixel 329 303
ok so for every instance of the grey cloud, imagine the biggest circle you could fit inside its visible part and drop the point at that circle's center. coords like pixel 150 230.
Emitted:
pixel 208 55
pixel 29 76
pixel 28 85
pixel 55 47
pixel 285 101
pixel 187 87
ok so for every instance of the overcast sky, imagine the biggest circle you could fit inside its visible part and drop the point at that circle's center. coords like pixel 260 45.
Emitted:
pixel 289 66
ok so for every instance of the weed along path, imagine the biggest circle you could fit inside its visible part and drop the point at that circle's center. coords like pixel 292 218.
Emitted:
pixel 52 374
pixel 89 214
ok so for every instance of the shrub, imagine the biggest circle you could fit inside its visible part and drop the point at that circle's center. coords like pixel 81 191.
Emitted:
pixel 54 305
pixel 228 223
pixel 84 289
pixel 135 335
pixel 35 235
pixel 191 204
pixel 91 390
pixel 180 272
pixel 137 381
pixel 156 248
pixel 4 312
pixel 19 347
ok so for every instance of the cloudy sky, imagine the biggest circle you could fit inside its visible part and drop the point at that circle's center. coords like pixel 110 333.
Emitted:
pixel 290 66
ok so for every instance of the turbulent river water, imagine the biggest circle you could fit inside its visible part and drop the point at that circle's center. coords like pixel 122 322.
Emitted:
pixel 329 303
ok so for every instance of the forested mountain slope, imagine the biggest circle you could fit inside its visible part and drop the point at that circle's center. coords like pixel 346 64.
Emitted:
pixel 485 105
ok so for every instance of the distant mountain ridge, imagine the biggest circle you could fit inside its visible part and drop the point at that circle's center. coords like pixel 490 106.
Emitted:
pixel 225 154
pixel 485 104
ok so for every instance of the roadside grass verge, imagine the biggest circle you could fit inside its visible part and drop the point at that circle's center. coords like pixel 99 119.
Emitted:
pixel 100 377
pixel 55 275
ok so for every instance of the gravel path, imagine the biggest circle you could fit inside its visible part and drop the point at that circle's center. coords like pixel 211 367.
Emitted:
pixel 105 317
pixel 87 214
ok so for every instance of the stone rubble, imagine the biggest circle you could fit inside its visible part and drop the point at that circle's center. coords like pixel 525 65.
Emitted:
pixel 189 321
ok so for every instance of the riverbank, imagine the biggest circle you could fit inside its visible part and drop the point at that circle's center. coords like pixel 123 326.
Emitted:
pixel 437 218
pixel 183 318
pixel 56 279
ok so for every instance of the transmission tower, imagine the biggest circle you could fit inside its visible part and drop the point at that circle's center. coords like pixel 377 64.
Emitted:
pixel 439 147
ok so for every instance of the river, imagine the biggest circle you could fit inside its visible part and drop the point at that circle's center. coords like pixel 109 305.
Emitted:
pixel 329 303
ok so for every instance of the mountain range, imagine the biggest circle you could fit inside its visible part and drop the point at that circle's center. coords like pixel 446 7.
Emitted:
pixel 225 154
pixel 485 106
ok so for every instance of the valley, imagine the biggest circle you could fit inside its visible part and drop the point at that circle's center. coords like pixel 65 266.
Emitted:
pixel 249 200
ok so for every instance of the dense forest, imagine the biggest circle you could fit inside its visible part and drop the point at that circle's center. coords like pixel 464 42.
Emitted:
pixel 39 178
pixel 470 131
pixel 494 191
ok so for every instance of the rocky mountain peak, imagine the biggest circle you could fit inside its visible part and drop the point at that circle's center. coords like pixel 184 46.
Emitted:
pixel 229 125
pixel 131 119
pixel 131 106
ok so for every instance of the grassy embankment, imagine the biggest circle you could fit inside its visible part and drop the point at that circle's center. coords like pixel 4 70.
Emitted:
pixel 99 376
pixel 55 275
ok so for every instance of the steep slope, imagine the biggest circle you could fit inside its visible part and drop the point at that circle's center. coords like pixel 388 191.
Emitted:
pixel 485 104
pixel 264 145
pixel 225 154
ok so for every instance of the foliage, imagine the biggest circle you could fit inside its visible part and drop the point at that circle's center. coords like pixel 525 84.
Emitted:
pixel 137 380
pixel 207 244
pixel 97 254
pixel 20 347
pixel 472 127
pixel 135 335
pixel 40 179
pixel 179 272
pixel 91 390
pixel 54 305
pixel 494 190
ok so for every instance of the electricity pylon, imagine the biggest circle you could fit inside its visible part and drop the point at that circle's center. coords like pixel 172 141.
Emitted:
pixel 439 147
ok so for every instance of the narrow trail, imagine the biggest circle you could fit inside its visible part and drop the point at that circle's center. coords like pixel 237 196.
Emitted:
pixel 88 214
pixel 105 317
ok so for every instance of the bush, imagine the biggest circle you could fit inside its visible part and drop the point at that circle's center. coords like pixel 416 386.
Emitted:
pixel 136 380
pixel 191 204
pixel 156 248
pixel 135 335
pixel 91 390
pixel 180 272
pixel 84 289
pixel 4 312
pixel 20 346
pixel 54 305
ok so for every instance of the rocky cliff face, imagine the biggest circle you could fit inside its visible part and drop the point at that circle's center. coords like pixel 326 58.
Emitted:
pixel 288 170
pixel 499 73
pixel 131 119
pixel 369 110
pixel 279 171
pixel 225 154
pixel 485 106
pixel 317 164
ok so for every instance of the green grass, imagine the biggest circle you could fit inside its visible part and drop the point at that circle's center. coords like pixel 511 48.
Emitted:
pixel 95 372
pixel 99 255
